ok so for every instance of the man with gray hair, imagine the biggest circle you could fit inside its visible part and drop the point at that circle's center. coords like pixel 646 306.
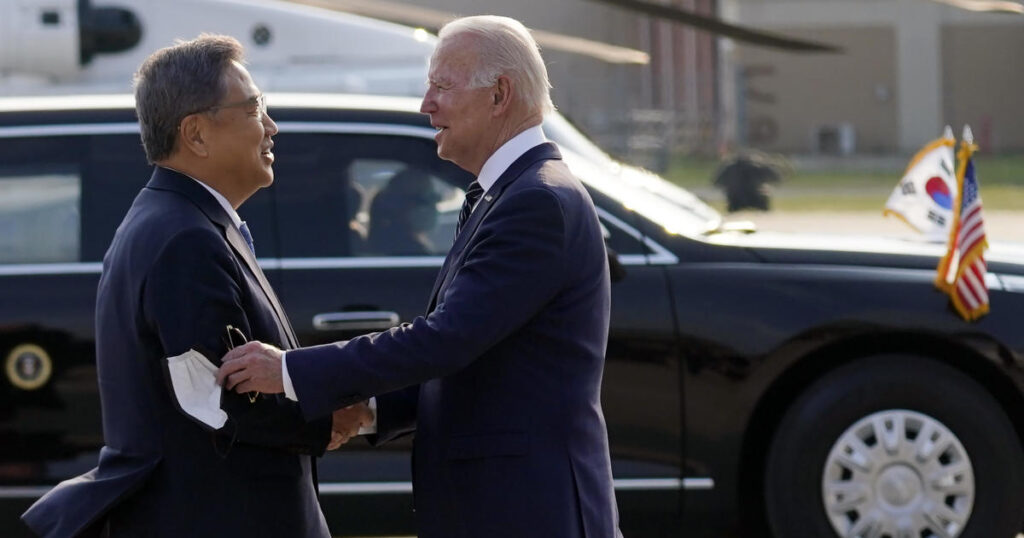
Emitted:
pixel 180 286
pixel 501 378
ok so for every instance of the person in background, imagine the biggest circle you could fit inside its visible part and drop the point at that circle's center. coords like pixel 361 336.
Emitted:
pixel 403 214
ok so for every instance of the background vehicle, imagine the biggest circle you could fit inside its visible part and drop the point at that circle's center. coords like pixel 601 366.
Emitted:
pixel 752 380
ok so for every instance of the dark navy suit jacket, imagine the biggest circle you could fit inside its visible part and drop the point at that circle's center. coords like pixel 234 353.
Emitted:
pixel 177 273
pixel 505 370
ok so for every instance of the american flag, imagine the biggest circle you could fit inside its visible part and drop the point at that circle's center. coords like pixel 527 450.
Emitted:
pixel 961 273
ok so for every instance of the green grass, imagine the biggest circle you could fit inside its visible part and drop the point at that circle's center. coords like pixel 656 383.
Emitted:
pixel 997 197
pixel 1001 177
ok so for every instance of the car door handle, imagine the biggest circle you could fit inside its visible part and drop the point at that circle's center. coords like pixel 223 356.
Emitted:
pixel 371 320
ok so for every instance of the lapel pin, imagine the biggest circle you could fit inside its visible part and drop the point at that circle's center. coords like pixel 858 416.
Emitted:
pixel 488 197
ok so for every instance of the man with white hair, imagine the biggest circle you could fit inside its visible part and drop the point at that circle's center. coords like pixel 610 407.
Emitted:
pixel 501 379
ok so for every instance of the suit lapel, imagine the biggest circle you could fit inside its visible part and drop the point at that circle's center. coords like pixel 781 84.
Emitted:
pixel 242 251
pixel 169 180
pixel 525 161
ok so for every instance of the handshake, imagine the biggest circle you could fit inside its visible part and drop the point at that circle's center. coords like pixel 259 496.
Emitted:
pixel 256 367
pixel 346 422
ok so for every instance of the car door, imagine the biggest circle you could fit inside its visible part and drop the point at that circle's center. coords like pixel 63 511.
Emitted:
pixel 47 293
pixel 364 222
pixel 641 392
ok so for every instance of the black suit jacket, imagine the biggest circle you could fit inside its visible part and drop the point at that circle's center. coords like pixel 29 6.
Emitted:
pixel 177 273
pixel 505 370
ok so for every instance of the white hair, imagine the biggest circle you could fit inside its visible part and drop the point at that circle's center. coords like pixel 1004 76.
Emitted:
pixel 505 48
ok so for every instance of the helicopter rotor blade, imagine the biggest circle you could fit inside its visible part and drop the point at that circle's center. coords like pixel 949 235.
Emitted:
pixel 998 6
pixel 719 27
pixel 433 20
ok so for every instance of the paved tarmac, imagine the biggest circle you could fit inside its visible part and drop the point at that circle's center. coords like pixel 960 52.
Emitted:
pixel 999 225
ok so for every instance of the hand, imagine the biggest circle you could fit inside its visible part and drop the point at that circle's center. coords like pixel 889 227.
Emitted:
pixel 345 423
pixel 252 367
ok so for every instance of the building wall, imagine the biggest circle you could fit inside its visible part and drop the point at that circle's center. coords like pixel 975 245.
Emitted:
pixel 946 65
pixel 984 84
pixel 789 97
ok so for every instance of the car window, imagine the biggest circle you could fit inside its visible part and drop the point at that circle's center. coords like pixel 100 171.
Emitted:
pixel 114 169
pixel 39 216
pixel 621 238
pixel 404 210
pixel 558 128
pixel 364 195
pixel 40 201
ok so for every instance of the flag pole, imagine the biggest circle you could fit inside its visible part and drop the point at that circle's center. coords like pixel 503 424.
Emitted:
pixel 961 271
pixel 946 273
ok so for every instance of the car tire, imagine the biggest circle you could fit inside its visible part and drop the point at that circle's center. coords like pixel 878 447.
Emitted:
pixel 871 478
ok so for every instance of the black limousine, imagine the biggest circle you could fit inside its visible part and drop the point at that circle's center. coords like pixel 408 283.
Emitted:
pixel 756 384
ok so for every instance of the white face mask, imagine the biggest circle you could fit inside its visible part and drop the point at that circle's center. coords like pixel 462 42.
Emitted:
pixel 194 379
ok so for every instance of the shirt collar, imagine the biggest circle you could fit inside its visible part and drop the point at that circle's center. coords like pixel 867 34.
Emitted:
pixel 232 214
pixel 507 154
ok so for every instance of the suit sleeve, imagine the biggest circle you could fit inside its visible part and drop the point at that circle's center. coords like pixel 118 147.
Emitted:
pixel 516 265
pixel 190 295
pixel 396 415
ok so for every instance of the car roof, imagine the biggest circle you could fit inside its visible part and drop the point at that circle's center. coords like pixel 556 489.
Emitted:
pixel 275 100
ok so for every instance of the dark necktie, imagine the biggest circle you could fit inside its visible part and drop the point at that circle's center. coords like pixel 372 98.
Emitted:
pixel 247 236
pixel 472 195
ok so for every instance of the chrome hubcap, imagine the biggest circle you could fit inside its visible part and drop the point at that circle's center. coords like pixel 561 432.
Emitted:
pixel 898 474
pixel 898 486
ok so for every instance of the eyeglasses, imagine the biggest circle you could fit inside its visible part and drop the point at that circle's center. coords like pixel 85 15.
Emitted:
pixel 234 333
pixel 257 104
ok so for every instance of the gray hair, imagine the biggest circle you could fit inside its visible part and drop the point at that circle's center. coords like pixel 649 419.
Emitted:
pixel 179 80
pixel 506 48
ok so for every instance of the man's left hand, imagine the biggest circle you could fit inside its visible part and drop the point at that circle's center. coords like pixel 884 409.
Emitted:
pixel 252 367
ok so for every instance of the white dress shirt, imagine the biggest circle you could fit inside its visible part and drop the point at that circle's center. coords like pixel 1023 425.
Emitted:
pixel 493 168
pixel 507 154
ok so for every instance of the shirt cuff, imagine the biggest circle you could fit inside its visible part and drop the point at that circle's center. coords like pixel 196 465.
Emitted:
pixel 372 428
pixel 286 380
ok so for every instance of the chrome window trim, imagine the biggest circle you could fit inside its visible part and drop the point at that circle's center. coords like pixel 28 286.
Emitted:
pixel 351 262
pixel 338 127
pixel 649 484
pixel 660 255
pixel 80 129
pixel 373 488
pixel 269 264
pixel 364 488
pixel 23 492
pixel 32 269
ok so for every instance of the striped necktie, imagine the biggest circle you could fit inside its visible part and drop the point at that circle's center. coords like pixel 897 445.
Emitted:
pixel 247 236
pixel 472 195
